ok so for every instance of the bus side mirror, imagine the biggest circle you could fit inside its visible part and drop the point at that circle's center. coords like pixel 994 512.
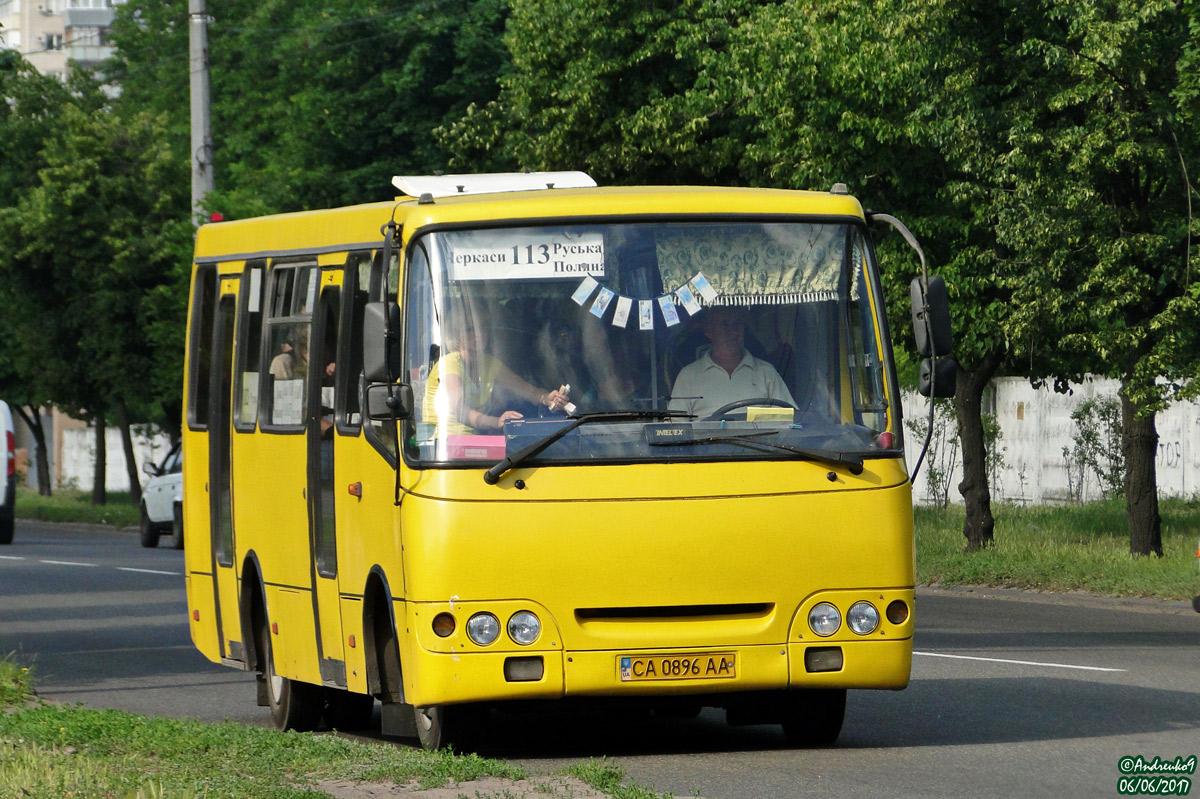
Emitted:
pixel 381 354
pixel 937 378
pixel 931 317
pixel 387 401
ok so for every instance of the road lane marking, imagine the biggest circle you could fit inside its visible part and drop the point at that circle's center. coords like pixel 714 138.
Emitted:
pixel 11 557
pixel 67 563
pixel 148 571
pixel 1019 662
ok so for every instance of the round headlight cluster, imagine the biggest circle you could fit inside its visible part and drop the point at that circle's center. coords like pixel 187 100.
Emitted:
pixel 524 628
pixel 863 618
pixel 824 619
pixel 484 628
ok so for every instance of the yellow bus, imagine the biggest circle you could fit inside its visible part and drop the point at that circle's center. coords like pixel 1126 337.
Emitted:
pixel 518 437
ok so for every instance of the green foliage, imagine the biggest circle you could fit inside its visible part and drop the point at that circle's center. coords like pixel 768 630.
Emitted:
pixel 314 105
pixel 1097 445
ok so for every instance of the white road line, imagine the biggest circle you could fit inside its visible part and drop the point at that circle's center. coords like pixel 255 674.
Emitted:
pixel 1019 662
pixel 67 563
pixel 11 557
pixel 148 571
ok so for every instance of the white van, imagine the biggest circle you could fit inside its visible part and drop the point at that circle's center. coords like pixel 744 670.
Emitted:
pixel 8 480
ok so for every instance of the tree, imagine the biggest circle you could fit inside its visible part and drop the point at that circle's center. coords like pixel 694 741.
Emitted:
pixel 1100 214
pixel 88 254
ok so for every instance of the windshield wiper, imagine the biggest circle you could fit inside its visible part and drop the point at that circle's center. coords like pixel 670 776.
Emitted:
pixel 492 475
pixel 853 463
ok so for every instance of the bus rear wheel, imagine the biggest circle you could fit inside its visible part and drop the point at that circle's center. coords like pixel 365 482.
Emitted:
pixel 814 718
pixel 294 705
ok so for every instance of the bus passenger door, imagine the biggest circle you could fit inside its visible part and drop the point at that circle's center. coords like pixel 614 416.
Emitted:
pixel 220 493
pixel 321 433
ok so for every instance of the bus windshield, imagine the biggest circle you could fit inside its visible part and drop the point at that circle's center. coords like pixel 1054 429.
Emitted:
pixel 695 340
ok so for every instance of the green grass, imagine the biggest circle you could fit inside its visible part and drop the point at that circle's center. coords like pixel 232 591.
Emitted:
pixel 1063 548
pixel 16 686
pixel 65 505
pixel 55 751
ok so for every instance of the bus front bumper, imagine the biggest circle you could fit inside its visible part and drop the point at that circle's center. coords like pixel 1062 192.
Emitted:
pixel 451 678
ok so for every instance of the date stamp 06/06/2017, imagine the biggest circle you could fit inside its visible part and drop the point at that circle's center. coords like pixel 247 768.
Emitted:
pixel 1155 777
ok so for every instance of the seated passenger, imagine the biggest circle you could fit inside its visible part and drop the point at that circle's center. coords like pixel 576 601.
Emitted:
pixel 726 372
pixel 458 396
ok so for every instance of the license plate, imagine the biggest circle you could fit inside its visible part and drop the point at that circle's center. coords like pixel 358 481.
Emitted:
pixel 701 666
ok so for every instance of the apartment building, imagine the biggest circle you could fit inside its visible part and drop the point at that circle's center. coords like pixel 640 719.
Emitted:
pixel 52 33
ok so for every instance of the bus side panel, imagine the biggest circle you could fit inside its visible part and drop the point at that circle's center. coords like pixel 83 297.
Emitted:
pixel 295 643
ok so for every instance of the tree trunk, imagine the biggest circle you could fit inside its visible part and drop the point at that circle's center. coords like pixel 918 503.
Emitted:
pixel 135 483
pixel 33 420
pixel 977 496
pixel 1139 444
pixel 99 493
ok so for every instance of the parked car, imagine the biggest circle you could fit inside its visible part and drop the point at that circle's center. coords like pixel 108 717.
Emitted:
pixel 8 485
pixel 162 500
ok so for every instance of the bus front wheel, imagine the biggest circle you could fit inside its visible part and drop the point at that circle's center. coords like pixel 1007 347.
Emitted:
pixel 814 718
pixel 448 725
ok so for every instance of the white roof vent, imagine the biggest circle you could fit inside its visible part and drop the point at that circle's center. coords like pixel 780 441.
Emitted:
pixel 453 185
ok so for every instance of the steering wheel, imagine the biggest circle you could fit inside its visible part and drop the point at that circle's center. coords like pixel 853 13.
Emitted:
pixel 719 413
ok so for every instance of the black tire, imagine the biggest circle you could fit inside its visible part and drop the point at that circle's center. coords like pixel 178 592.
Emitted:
pixel 8 525
pixel 149 531
pixel 814 718
pixel 441 726
pixel 294 705
pixel 177 525
pixel 345 710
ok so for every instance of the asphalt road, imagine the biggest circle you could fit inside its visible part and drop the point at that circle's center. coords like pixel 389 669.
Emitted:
pixel 1013 694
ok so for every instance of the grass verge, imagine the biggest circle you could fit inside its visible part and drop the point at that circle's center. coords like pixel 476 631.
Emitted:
pixel 56 751
pixel 65 505
pixel 1063 548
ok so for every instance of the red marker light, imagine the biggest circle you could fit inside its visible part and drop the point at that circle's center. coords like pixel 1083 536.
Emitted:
pixel 217 217
pixel 886 440
pixel 355 490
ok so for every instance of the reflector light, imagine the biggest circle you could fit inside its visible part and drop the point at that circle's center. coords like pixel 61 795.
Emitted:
pixel 352 642
pixel 897 611
pixel 195 615
pixel 443 625
pixel 217 217
pixel 355 490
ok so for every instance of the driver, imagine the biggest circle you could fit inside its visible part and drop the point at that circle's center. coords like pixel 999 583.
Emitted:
pixel 726 372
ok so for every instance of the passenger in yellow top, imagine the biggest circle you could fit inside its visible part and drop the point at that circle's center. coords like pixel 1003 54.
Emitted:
pixel 458 396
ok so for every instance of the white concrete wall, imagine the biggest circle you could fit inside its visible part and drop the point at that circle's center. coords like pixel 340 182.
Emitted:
pixel 1035 425
pixel 79 453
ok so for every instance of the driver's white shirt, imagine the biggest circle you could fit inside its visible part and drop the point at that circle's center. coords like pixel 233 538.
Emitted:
pixel 702 386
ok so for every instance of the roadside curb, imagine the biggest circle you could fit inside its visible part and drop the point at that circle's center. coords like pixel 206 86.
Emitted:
pixel 1079 598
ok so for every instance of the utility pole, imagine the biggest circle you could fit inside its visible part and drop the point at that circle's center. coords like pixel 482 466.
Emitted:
pixel 202 151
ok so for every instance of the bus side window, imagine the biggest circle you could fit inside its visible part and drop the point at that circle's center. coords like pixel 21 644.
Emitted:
pixel 354 299
pixel 204 303
pixel 287 346
pixel 384 285
pixel 245 409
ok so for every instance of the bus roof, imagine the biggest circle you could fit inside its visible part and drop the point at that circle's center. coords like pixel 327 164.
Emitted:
pixel 360 226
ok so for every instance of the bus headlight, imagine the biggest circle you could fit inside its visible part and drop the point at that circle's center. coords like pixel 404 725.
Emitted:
pixel 483 628
pixel 524 628
pixel 863 618
pixel 824 619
